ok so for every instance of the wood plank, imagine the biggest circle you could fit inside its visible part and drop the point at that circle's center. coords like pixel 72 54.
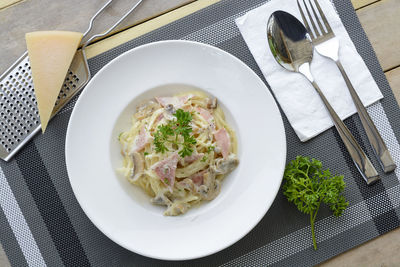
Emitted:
pixel 393 77
pixel 131 33
pixel 3 258
pixel 7 3
pixel 380 21
pixel 73 15
pixel 357 4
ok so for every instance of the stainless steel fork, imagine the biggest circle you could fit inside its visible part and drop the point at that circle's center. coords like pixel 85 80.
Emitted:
pixel 327 45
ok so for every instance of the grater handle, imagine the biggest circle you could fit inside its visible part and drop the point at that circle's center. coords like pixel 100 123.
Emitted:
pixel 112 27
pixel 95 16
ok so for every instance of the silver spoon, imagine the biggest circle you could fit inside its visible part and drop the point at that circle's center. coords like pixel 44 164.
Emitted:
pixel 291 47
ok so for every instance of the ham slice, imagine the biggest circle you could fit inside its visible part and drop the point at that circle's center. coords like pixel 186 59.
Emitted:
pixel 192 158
pixel 198 177
pixel 223 141
pixel 185 98
pixel 141 140
pixel 165 170
pixel 205 114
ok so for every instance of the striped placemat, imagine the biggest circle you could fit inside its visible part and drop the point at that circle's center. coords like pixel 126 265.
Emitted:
pixel 42 224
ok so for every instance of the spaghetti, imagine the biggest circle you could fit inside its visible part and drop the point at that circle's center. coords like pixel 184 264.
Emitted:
pixel 179 165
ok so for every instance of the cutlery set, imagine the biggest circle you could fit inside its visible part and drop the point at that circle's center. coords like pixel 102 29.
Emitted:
pixel 292 45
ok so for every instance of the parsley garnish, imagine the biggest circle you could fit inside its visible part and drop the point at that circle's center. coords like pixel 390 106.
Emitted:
pixel 307 185
pixel 145 153
pixel 210 148
pixel 166 181
pixel 119 136
pixel 170 132
pixel 204 159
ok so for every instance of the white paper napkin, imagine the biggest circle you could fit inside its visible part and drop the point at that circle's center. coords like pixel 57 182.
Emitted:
pixel 298 99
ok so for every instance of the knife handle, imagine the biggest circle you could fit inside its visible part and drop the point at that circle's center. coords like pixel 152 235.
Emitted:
pixel 360 159
pixel 375 139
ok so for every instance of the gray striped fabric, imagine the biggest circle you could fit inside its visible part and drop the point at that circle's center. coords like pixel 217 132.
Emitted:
pixel 42 224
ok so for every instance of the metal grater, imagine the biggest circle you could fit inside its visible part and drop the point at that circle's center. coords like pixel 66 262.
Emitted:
pixel 19 120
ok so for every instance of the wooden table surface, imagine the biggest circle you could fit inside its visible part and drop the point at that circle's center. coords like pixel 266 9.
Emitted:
pixel 380 19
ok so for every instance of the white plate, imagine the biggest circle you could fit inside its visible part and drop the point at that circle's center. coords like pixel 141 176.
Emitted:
pixel 122 211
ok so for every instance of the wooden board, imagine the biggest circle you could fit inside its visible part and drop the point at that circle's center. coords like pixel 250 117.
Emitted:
pixel 381 21
pixel 131 33
pixel 7 3
pixel 378 18
pixel 74 15
pixel 3 258
pixel 362 3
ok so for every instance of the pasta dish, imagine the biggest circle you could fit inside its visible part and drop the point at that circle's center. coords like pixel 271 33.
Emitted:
pixel 178 150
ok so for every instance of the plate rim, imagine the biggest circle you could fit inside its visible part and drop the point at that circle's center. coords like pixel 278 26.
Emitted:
pixel 250 226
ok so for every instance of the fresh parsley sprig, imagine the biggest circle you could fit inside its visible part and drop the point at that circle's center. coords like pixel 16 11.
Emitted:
pixel 170 132
pixel 307 186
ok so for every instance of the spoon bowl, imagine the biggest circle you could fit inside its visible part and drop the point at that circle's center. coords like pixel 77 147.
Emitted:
pixel 289 41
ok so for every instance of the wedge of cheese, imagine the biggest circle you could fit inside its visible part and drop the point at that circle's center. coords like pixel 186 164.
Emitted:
pixel 50 54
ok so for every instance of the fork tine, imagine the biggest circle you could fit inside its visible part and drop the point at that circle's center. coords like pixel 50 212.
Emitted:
pixel 327 26
pixel 305 21
pixel 311 19
pixel 321 28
